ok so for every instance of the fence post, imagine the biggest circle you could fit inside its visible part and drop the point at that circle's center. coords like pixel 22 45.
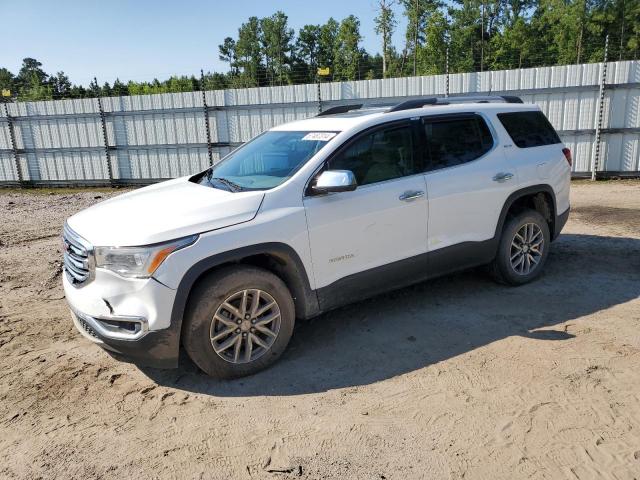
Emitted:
pixel 595 162
pixel 446 71
pixel 319 95
pixel 14 147
pixel 206 117
pixel 105 137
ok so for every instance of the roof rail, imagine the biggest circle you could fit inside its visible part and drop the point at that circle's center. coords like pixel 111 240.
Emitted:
pixel 340 109
pixel 421 102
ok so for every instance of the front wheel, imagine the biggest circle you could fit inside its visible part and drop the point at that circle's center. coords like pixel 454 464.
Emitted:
pixel 523 249
pixel 239 321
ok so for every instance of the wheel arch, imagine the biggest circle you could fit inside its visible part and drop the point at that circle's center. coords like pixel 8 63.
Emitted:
pixel 278 258
pixel 540 197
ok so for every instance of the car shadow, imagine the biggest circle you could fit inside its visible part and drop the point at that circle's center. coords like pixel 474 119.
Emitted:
pixel 422 325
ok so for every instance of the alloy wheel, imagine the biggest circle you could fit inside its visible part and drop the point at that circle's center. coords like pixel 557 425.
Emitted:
pixel 245 326
pixel 527 248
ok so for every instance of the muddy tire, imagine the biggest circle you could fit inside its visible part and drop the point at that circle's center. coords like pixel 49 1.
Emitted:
pixel 238 321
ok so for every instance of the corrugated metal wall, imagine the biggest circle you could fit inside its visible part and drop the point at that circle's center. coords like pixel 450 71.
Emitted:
pixel 153 137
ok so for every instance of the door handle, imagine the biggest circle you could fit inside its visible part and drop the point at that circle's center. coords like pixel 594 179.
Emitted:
pixel 411 195
pixel 502 176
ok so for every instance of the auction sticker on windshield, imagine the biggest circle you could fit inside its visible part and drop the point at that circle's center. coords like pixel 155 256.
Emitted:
pixel 319 136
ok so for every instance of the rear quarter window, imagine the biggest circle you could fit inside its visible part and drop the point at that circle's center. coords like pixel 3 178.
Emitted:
pixel 529 129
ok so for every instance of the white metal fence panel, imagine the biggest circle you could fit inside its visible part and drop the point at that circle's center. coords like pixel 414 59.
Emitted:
pixel 151 137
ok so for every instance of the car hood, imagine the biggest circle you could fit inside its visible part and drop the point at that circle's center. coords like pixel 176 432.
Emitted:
pixel 164 211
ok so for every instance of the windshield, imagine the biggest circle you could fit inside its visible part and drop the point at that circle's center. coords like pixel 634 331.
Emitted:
pixel 266 161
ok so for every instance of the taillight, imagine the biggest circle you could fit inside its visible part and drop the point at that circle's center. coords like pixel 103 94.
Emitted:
pixel 567 155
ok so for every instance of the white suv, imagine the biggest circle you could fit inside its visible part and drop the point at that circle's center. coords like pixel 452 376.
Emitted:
pixel 312 215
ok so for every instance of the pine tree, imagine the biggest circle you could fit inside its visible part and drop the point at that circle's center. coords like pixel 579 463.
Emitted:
pixel 417 13
pixel 327 44
pixel 276 45
pixel 227 53
pixel 307 50
pixel 347 53
pixel 60 85
pixel 249 53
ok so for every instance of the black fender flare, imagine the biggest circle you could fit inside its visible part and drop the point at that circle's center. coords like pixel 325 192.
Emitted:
pixel 290 269
pixel 523 192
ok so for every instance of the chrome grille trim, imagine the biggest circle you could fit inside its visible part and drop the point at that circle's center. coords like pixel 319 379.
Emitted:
pixel 77 257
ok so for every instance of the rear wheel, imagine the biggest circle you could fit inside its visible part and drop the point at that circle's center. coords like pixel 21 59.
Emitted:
pixel 238 322
pixel 523 249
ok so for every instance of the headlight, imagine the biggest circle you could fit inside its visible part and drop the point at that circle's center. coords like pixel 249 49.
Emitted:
pixel 138 262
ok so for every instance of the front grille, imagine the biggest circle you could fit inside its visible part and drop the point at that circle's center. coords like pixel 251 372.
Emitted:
pixel 77 257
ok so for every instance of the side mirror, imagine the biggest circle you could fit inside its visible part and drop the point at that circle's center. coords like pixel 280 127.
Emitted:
pixel 335 181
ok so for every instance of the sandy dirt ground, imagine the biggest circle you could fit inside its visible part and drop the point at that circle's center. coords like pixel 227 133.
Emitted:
pixel 454 378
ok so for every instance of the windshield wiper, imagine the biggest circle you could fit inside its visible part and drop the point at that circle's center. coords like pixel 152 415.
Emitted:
pixel 234 187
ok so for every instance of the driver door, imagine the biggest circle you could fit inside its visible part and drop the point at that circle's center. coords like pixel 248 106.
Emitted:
pixel 359 239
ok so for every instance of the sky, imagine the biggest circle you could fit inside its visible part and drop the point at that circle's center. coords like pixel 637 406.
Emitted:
pixel 141 40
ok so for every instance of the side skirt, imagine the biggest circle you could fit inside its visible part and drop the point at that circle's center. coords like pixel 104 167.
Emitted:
pixel 403 273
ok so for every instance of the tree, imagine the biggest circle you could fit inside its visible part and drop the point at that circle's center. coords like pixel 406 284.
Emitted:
pixel 31 81
pixel 385 24
pixel 215 81
pixel 347 52
pixel 77 91
pixel 512 44
pixel 94 90
pixel 433 54
pixel 275 40
pixel 228 53
pixel 60 85
pixel 119 89
pixel 30 73
pixel 249 53
pixel 327 44
pixel 7 81
pixel 417 13
pixel 479 34
pixel 307 52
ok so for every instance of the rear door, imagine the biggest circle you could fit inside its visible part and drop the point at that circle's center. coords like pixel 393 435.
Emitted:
pixel 468 179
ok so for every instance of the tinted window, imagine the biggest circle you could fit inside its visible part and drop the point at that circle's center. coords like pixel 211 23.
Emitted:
pixel 529 129
pixel 455 141
pixel 378 156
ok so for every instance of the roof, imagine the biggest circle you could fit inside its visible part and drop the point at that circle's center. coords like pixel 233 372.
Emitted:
pixel 367 116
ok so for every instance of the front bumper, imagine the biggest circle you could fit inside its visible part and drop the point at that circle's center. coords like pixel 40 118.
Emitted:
pixel 157 348
pixel 129 318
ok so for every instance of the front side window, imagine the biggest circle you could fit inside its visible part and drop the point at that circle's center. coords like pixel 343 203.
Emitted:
pixel 378 156
pixel 266 161
pixel 454 141
pixel 529 129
